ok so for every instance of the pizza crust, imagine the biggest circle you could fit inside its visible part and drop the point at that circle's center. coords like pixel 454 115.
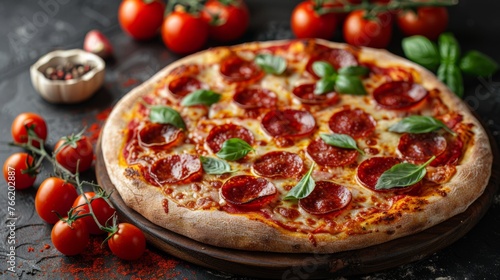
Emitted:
pixel 221 229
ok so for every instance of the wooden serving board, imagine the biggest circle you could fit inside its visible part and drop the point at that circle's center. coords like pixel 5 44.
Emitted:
pixel 308 266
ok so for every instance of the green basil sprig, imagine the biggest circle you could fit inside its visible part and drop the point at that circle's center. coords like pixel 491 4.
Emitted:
pixel 201 97
pixel 166 115
pixel 446 59
pixel 419 124
pixel 347 80
pixel 271 64
pixel 402 175
pixel 341 140
pixel 234 149
pixel 303 188
pixel 215 166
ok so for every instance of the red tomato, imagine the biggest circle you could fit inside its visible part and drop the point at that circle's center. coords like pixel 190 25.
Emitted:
pixel 128 242
pixel 19 132
pixel 141 19
pixel 227 22
pixel 102 210
pixel 362 31
pixel 184 33
pixel 78 153
pixel 54 196
pixel 70 239
pixel 13 171
pixel 307 23
pixel 428 22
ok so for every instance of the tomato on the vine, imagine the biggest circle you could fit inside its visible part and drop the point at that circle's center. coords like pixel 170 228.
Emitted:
pixel 141 19
pixel 362 29
pixel 128 242
pixel 183 32
pixel 54 196
pixel 102 210
pixel 228 19
pixel 36 122
pixel 19 172
pixel 428 21
pixel 70 237
pixel 307 22
pixel 77 153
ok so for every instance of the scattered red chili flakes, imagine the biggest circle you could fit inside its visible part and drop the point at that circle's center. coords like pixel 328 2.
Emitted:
pixel 46 246
pixel 130 82
pixel 31 249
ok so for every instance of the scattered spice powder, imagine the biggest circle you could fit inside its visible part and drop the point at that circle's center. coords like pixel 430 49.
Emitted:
pixel 94 129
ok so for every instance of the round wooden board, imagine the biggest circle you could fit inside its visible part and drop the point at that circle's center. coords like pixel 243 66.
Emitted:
pixel 308 266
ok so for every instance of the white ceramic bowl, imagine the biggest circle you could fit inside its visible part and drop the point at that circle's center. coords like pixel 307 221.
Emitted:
pixel 68 91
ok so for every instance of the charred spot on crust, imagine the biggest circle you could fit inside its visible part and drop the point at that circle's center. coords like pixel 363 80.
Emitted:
pixel 131 173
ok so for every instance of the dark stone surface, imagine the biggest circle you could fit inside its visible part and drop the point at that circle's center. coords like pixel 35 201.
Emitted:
pixel 29 29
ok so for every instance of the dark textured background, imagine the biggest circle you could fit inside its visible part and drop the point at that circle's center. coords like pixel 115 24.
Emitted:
pixel 28 31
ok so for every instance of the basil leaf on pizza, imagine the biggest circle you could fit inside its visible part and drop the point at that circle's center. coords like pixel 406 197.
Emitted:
pixel 303 188
pixel 341 140
pixel 215 166
pixel 354 71
pixel 201 97
pixel 234 149
pixel 323 69
pixel 346 81
pixel 350 85
pixel 324 85
pixel 271 64
pixel 402 175
pixel 419 124
pixel 166 115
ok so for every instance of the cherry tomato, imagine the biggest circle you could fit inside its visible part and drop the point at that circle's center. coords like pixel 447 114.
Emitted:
pixel 362 31
pixel 428 22
pixel 141 19
pixel 307 23
pixel 128 242
pixel 101 208
pixel 77 154
pixel 13 171
pixel 54 196
pixel 227 21
pixel 183 32
pixel 19 132
pixel 70 239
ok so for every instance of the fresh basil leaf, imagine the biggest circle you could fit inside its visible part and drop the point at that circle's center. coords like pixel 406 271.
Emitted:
pixel 201 97
pixel 234 149
pixel 303 188
pixel 341 140
pixel 422 51
pixel 354 71
pixel 450 75
pixel 350 85
pixel 323 69
pixel 271 64
pixel 419 124
pixel 478 64
pixel 215 166
pixel 164 114
pixel 449 49
pixel 402 175
pixel 324 85
pixel 441 73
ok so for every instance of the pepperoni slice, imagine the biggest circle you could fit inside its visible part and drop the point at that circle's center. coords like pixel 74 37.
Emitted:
pixel 184 85
pixel 355 123
pixel 338 58
pixel 159 136
pixel 278 164
pixel 371 169
pixel 176 169
pixel 219 134
pixel 288 123
pixel 327 155
pixel 451 155
pixel 419 148
pixel 246 189
pixel 399 95
pixel 235 69
pixel 305 93
pixel 253 98
pixel 325 198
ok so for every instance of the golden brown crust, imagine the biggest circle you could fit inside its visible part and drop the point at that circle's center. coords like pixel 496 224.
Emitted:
pixel 238 231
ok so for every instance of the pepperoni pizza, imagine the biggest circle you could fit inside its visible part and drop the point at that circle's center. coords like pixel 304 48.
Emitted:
pixel 295 146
